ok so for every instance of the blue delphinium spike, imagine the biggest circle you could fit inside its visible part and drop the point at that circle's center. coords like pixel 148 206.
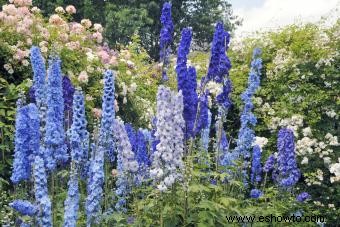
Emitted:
pixel 78 134
pixel 186 82
pixel 219 63
pixel 72 201
pixel 68 91
pixel 55 134
pixel 165 38
pixel 21 164
pixel 246 134
pixel 108 115
pixel 95 185
pixel 202 120
pixel 27 139
pixel 303 197
pixel 256 168
pixel 24 207
pixel 288 172
pixel 126 165
pixel 206 133
pixel 41 193
pixel 39 76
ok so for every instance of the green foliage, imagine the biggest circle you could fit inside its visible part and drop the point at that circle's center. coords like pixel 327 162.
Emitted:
pixel 122 19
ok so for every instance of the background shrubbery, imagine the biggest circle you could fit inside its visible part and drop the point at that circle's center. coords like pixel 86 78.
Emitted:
pixel 299 89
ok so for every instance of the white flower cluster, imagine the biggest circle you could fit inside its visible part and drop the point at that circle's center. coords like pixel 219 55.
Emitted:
pixel 167 164
pixel 214 88
pixel 335 169
pixel 260 141
pixel 314 178
pixel 147 109
pixel 293 123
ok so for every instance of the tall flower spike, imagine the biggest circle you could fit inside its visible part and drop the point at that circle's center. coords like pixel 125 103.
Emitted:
pixel 256 168
pixel 202 120
pixel 68 91
pixel 219 63
pixel 288 172
pixel 166 36
pixel 95 184
pixel 39 76
pixel 248 119
pixel 126 164
pixel 206 133
pixel 21 164
pixel 41 193
pixel 55 134
pixel 108 115
pixel 72 201
pixel 167 161
pixel 27 139
pixel 142 157
pixel 78 134
pixel 186 82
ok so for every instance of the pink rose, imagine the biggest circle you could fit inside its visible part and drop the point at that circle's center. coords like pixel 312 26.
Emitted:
pixel 97 112
pixel 70 9
pixel 83 77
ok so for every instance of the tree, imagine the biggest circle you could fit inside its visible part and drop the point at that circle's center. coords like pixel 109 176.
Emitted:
pixel 123 18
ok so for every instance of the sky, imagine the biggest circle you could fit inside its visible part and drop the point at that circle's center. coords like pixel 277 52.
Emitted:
pixel 268 14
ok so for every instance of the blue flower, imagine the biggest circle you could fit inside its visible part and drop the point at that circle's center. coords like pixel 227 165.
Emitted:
pixel 256 168
pixel 256 193
pixel 126 164
pixel 205 134
pixel 288 173
pixel 166 36
pixel 27 141
pixel 21 164
pixel 108 115
pixel 303 197
pixel 219 63
pixel 78 134
pixel 95 183
pixel 55 134
pixel 24 207
pixel 72 201
pixel 223 99
pixel 269 165
pixel 246 134
pixel 39 75
pixel 41 193
pixel 202 121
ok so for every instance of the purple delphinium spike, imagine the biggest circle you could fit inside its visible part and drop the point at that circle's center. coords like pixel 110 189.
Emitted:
pixel 108 115
pixel 142 157
pixel 24 207
pixel 165 38
pixel 55 134
pixel 288 173
pixel 202 121
pixel 205 134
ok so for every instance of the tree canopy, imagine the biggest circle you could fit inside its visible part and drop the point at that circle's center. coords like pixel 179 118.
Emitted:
pixel 123 18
